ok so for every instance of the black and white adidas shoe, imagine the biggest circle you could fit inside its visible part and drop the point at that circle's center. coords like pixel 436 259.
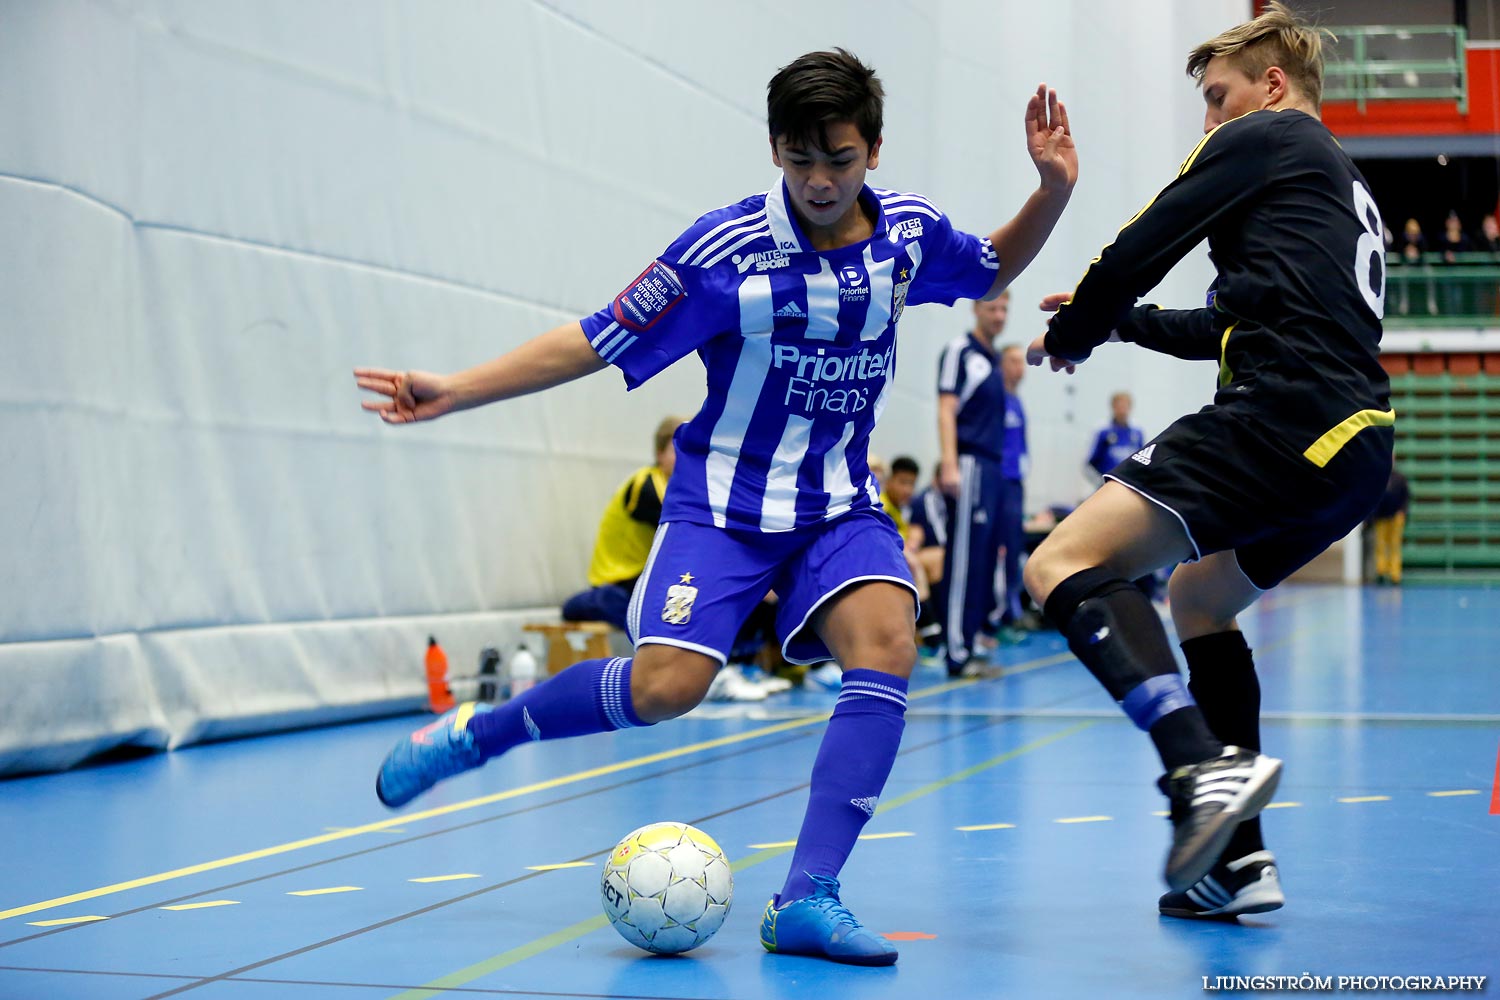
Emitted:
pixel 1208 801
pixel 1246 885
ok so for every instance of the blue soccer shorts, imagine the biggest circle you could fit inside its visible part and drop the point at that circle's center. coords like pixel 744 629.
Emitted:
pixel 700 582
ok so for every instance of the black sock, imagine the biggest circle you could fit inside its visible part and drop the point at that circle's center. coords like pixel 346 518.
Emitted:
pixel 1112 627
pixel 1223 681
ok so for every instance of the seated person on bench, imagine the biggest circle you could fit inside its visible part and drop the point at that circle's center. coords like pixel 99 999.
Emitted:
pixel 624 539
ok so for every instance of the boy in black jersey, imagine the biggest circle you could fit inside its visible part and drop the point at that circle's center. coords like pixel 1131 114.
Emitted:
pixel 1293 453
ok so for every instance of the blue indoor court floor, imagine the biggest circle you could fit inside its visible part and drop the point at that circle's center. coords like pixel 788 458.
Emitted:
pixel 1016 852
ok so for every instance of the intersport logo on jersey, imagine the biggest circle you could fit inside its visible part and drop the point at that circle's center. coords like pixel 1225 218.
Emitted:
pixel 819 382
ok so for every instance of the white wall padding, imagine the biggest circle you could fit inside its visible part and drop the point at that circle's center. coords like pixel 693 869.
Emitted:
pixel 213 212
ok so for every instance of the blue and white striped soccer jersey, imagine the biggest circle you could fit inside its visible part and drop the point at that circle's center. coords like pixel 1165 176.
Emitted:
pixel 799 346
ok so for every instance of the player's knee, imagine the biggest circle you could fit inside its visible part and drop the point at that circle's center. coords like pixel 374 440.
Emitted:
pixel 666 682
pixel 1193 613
pixel 1038 575
pixel 889 646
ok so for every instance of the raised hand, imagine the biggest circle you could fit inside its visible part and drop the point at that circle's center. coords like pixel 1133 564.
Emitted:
pixel 407 397
pixel 1050 140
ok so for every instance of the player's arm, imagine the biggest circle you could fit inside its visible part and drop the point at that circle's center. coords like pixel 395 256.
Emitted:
pixel 948 477
pixel 1190 334
pixel 1049 140
pixel 1230 166
pixel 557 356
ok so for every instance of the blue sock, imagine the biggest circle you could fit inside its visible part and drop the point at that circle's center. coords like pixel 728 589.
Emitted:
pixel 848 776
pixel 588 697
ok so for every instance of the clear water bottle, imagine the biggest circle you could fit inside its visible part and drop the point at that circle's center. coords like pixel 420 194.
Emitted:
pixel 523 671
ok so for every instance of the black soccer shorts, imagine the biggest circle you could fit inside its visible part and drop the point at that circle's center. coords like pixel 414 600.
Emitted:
pixel 1238 483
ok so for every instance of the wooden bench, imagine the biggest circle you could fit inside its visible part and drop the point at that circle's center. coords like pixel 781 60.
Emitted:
pixel 569 642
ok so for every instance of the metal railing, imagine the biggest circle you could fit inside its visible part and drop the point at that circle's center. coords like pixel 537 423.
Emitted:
pixel 1437 292
pixel 1378 62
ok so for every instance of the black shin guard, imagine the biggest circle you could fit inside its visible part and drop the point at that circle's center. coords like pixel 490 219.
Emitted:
pixel 1112 627
pixel 1222 679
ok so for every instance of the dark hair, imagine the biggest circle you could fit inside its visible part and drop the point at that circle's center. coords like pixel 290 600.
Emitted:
pixel 905 463
pixel 820 88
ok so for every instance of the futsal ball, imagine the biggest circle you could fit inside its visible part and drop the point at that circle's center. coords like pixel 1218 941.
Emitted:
pixel 667 887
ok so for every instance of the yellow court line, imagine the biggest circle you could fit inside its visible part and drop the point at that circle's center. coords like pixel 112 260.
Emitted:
pixel 1084 819
pixel 1456 791
pixel 296 845
pixel 341 829
pixel 1277 805
pixel 63 921
pixel 202 906
pixel 1366 798
pixel 559 867
pixel 325 892
pixel 986 826
pixel 531 949
pixel 484 800
pixel 882 836
pixel 443 878
pixel 772 846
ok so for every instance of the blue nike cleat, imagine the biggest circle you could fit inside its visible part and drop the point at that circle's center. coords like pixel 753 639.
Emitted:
pixel 821 926
pixel 438 750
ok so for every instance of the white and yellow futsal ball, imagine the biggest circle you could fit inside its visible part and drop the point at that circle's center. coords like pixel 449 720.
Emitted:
pixel 667 887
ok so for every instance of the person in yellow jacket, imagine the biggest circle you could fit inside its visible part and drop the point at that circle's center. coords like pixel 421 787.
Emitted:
pixel 625 534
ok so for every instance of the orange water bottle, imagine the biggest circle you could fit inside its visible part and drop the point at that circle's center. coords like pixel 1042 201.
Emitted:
pixel 439 696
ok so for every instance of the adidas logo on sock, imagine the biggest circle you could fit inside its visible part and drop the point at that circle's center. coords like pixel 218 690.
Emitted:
pixel 791 311
pixel 1144 455
pixel 866 805
pixel 531 727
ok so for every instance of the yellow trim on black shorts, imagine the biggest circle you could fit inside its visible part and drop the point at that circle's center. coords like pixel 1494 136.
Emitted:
pixel 1321 452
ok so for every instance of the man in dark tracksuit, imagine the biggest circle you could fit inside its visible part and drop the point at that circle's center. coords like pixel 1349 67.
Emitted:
pixel 971 430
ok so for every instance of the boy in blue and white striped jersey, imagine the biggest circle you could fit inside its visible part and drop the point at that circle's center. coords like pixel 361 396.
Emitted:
pixel 790 299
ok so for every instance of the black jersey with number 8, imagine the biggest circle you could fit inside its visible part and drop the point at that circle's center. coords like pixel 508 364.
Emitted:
pixel 1295 311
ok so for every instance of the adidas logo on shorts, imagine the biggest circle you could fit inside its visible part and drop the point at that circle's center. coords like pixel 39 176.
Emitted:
pixel 1144 455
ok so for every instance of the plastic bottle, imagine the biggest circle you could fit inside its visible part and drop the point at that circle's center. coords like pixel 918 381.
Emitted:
pixel 523 671
pixel 489 674
pixel 439 696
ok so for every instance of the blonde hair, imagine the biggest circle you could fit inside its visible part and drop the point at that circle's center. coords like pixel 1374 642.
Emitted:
pixel 1278 37
pixel 664 432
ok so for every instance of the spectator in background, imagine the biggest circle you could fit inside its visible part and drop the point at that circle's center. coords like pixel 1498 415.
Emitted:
pixel 1455 292
pixel 1117 440
pixel 625 534
pixel 972 416
pixel 1489 235
pixel 1411 246
pixel 899 485
pixel 1488 242
pixel 1390 527
pixel 896 501
pixel 1455 241
pixel 927 535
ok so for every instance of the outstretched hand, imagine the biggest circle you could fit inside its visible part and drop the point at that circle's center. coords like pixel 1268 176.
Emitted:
pixel 407 397
pixel 1050 140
